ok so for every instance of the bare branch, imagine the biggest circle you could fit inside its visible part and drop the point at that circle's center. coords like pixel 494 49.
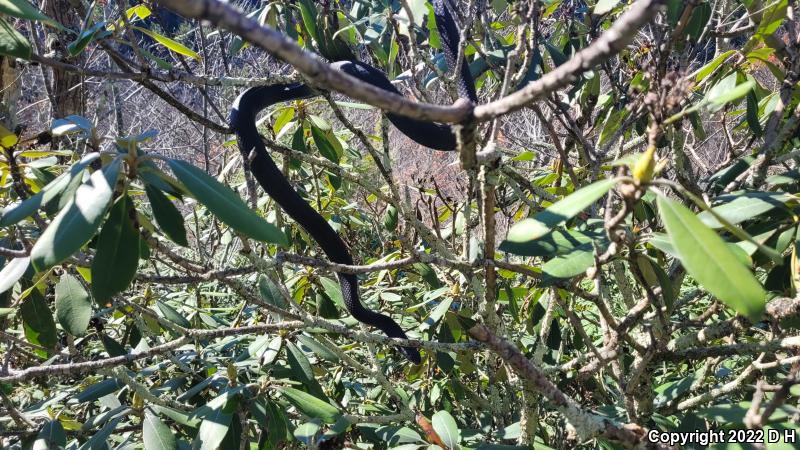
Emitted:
pixel 607 45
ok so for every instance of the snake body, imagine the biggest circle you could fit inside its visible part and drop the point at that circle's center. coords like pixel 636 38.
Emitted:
pixel 269 176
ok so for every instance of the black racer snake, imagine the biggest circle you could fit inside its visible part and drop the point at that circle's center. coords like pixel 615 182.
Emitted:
pixel 269 176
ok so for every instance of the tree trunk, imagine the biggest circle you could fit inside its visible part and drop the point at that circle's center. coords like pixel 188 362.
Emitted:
pixel 10 93
pixel 67 87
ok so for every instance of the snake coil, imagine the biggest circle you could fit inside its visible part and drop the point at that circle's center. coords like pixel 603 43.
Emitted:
pixel 432 135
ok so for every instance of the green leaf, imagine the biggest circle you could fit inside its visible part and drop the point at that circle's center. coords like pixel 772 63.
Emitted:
pixel 12 272
pixel 708 259
pixel 156 435
pixel 727 91
pixel 225 204
pixel 698 20
pixel 569 265
pixel 333 290
pixel 270 292
pixel 73 305
pixel 788 177
pixel 172 45
pixel 325 306
pixel 160 63
pixel 436 314
pixel 173 315
pixel 555 243
pixel 264 349
pixel 525 156
pixel 78 221
pixel 285 116
pixel 427 273
pixel 752 114
pixel 97 390
pixel 51 437
pixel 323 144
pixel 538 445
pixel 302 371
pixel 274 415
pixel 99 441
pixel 167 216
pixel 737 208
pixel 140 11
pixel 558 213
pixel 772 18
pixel 233 438
pixel 117 257
pixel 319 349
pixel 729 173
pixel 655 276
pixel 8 139
pixel 672 390
pixel 186 419
pixel 404 435
pixel 709 68
pixel 40 328
pixel 557 55
pixel 390 218
pixel 309 14
pixel 111 346
pixel 153 176
pixel 447 429
pixel 73 123
pixel 24 10
pixel 76 47
pixel 733 414
pixel 434 39
pixel 307 433
pixel 722 87
pixel 20 211
pixel 310 405
pixel 12 43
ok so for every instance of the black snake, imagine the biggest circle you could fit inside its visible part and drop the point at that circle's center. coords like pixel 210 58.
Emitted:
pixel 269 176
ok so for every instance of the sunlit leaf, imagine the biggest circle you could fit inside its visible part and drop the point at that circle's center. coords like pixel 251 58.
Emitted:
pixel 51 437
pixel 12 272
pixel 78 221
pixel 708 259
pixel 772 17
pixel 604 6
pixel 711 66
pixel 156 435
pixel 736 208
pixel 7 138
pixel 310 405
pixel 558 213
pixel 171 44
pixel 447 429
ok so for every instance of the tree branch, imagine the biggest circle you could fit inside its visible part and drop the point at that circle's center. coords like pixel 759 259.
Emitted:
pixel 311 65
